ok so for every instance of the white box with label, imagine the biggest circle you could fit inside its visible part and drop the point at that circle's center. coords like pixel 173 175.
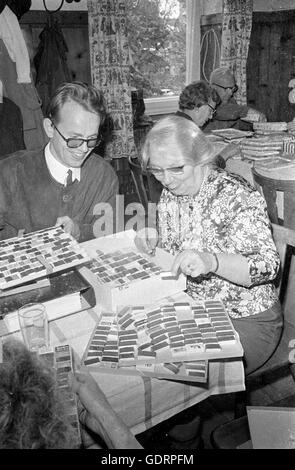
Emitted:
pixel 139 286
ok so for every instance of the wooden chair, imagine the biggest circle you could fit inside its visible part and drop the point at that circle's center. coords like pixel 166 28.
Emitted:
pixel 235 432
pixel 147 187
pixel 139 180
pixel 269 187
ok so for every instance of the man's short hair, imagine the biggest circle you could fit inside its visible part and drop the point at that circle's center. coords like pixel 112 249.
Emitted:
pixel 89 97
pixel 196 94
pixel 222 76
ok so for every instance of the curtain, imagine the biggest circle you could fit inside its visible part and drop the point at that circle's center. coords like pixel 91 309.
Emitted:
pixel 110 71
pixel 236 32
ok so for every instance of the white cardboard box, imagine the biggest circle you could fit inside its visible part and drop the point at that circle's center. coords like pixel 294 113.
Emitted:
pixel 140 292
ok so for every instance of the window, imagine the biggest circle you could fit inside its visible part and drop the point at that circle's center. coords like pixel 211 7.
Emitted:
pixel 157 38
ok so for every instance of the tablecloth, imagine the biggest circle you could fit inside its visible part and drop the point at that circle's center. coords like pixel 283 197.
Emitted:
pixel 143 402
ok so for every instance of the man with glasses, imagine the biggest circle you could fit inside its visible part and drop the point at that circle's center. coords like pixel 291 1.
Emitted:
pixel 229 114
pixel 64 183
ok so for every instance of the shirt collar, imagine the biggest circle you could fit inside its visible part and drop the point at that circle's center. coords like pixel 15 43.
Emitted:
pixel 57 170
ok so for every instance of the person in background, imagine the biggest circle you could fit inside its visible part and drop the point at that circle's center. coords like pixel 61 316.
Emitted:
pixel 229 114
pixel 33 411
pixel 64 182
pixel 197 102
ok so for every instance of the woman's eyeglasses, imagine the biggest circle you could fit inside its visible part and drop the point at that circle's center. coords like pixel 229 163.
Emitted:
pixel 176 170
pixel 73 142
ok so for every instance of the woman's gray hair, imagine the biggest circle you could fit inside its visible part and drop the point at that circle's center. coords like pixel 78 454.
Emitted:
pixel 175 131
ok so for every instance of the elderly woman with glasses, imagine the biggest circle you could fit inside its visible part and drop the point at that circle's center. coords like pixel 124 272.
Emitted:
pixel 197 102
pixel 230 114
pixel 217 227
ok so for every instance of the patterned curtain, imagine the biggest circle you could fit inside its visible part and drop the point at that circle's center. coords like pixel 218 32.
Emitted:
pixel 236 31
pixel 110 61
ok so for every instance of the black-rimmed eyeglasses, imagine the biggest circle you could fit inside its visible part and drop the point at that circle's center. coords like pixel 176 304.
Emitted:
pixel 212 109
pixel 233 88
pixel 74 142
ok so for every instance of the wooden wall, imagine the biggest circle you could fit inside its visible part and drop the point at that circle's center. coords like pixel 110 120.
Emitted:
pixel 74 26
pixel 271 64
pixel 271 61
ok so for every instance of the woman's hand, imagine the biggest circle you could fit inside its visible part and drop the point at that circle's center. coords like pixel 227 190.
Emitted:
pixel 146 240
pixel 194 263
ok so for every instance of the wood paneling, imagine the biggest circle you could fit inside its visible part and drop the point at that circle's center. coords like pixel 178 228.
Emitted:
pixel 70 18
pixel 271 64
pixel 74 26
pixel 271 61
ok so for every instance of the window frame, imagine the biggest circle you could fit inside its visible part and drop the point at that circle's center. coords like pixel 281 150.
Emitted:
pixel 161 105
pixel 169 104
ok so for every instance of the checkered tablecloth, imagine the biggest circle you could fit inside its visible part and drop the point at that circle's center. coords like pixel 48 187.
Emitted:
pixel 141 401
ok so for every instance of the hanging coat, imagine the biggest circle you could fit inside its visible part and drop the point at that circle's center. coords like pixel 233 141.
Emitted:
pixel 11 128
pixel 50 61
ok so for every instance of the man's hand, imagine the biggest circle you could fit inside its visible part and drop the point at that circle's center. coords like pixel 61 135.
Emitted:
pixel 90 396
pixel 193 263
pixel 87 389
pixel 97 414
pixel 69 226
pixel 253 115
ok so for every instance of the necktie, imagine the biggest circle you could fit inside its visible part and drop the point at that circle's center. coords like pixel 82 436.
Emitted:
pixel 69 178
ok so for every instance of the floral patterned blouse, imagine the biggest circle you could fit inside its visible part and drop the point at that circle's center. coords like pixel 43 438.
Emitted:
pixel 226 216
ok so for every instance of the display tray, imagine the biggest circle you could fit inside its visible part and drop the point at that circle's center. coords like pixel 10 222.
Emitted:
pixel 121 275
pixel 231 134
pixel 38 254
pixel 140 338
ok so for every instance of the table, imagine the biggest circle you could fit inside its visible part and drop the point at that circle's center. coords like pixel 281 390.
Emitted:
pixel 141 401
pixel 244 167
